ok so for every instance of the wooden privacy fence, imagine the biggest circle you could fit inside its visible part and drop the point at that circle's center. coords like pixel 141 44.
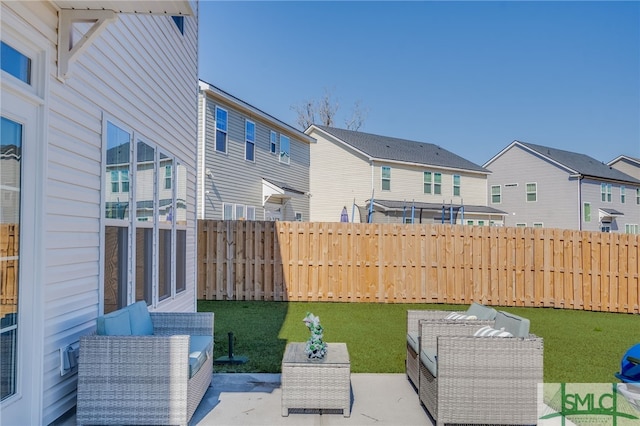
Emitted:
pixel 395 263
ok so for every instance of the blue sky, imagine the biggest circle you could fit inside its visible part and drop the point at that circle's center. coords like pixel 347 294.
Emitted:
pixel 469 76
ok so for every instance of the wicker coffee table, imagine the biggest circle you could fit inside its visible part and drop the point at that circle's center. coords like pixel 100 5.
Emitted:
pixel 321 384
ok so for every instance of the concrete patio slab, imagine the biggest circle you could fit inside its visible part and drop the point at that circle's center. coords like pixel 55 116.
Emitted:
pixel 254 399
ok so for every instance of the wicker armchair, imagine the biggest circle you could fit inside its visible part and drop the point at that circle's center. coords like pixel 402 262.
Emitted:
pixel 143 379
pixel 482 380
pixel 484 314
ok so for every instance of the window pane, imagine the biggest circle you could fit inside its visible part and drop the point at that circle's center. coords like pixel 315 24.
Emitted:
pixel 15 63
pixel 181 260
pixel 221 130
pixel 165 194
pixel 10 190
pixel 285 156
pixel 386 173
pixel 144 264
pixel 145 182
pixel 587 212
pixel 115 267
pixel 227 211
pixel 164 262
pixel 118 151
pixel 239 212
pixel 181 195
pixel 273 140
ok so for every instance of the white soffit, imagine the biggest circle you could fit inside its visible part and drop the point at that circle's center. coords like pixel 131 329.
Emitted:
pixel 154 7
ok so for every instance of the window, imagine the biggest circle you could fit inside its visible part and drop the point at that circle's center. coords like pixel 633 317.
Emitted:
pixel 285 155
pixel 15 63
pixel 605 192
pixel 118 147
pixel 145 247
pixel 521 225
pixel 469 222
pixel 638 196
pixel 221 130
pixel 622 194
pixel 227 211
pixel 298 217
pixel 273 138
pixel 456 185
pixel 239 212
pixel 632 228
pixel 10 259
pixel 251 213
pixel 532 192
pixel 538 225
pixel 437 183
pixel 586 211
pixel 606 227
pixel 496 194
pixel 179 21
pixel 386 178
pixel 427 182
pixel 250 140
pixel 145 202
pixel 481 223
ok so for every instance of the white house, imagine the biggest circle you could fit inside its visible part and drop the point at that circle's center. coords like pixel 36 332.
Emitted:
pixel 542 186
pixel 97 181
pixel 405 180
pixel 252 165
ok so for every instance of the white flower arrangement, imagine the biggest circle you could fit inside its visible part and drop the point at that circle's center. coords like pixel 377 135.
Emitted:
pixel 315 348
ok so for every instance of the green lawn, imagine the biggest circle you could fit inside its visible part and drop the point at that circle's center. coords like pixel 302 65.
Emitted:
pixel 579 346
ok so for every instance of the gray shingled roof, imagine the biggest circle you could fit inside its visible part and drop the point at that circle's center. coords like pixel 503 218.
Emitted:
pixel 388 148
pixel 581 163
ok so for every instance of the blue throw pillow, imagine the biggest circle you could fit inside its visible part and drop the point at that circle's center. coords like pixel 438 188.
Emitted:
pixel 117 323
pixel 141 324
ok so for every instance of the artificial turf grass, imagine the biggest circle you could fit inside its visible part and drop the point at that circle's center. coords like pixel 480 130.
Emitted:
pixel 579 346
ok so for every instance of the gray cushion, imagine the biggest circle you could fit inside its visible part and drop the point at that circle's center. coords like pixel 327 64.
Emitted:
pixel 482 312
pixel 514 324
pixel 412 340
pixel 141 324
pixel 200 351
pixel 429 359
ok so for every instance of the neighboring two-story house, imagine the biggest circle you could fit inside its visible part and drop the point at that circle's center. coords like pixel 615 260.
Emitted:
pixel 395 179
pixel 252 165
pixel 97 181
pixel 626 164
pixel 541 186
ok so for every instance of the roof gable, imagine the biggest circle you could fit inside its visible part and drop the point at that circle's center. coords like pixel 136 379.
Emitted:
pixel 402 150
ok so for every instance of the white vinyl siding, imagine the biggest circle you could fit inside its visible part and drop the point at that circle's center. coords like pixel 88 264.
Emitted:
pixel 141 72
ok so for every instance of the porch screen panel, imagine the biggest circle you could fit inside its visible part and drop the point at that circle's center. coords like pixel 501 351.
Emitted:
pixel 10 190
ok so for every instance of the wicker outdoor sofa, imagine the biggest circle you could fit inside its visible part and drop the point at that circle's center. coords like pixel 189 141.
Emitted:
pixel 151 378
pixel 484 315
pixel 477 379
